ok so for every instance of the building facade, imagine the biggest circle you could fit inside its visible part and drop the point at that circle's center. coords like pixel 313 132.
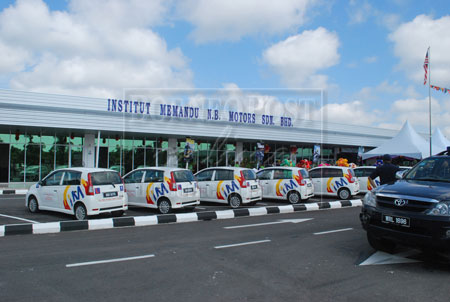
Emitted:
pixel 41 132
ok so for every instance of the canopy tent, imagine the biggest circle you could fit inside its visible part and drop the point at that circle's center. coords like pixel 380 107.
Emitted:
pixel 406 143
pixel 440 143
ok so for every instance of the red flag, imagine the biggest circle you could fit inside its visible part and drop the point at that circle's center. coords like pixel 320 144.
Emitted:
pixel 425 66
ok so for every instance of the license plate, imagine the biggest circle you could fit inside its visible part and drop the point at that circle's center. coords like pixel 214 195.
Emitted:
pixel 188 190
pixel 254 187
pixel 110 194
pixel 401 221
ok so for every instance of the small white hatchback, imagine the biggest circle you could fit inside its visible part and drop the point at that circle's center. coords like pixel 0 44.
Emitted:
pixel 229 185
pixel 334 181
pixel 288 183
pixel 162 188
pixel 79 191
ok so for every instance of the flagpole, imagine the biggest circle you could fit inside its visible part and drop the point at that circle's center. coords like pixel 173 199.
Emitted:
pixel 429 94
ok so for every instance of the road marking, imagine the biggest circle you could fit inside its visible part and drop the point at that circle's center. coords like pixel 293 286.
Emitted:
pixel 379 258
pixel 109 260
pixel 241 244
pixel 333 231
pixel 18 218
pixel 267 223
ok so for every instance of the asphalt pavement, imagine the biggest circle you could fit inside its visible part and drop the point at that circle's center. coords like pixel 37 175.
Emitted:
pixel 302 256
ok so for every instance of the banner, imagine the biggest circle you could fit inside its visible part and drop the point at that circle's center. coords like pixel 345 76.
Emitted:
pixel 189 150
pixel 316 154
pixel 444 90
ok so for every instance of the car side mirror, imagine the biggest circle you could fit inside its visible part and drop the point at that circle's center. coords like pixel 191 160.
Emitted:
pixel 400 174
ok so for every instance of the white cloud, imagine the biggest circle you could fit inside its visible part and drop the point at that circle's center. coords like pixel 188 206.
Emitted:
pixel 351 113
pixel 359 11
pixel 299 58
pixel 411 41
pixel 96 48
pixel 218 20
pixel 370 60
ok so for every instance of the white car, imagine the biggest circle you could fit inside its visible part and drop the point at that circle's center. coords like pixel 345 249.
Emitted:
pixel 162 188
pixel 334 181
pixel 229 185
pixel 288 183
pixel 79 191
pixel 363 174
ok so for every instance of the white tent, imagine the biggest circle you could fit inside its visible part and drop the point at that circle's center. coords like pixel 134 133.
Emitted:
pixel 407 143
pixel 440 143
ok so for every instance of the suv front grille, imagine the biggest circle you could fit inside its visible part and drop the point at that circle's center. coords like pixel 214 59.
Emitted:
pixel 413 204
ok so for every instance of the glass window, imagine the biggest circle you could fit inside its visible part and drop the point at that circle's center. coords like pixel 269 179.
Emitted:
pixel 205 175
pixel 127 160
pixel 62 156
pixel 330 172
pixel 282 174
pixel 359 172
pixel 162 158
pixel 183 176
pixel 224 174
pixel 305 173
pixel 154 176
pixel 72 178
pixel 134 177
pixel 76 156
pixel 105 178
pixel 17 162
pixel 4 138
pixel 139 158
pixel 115 156
pixel 53 179
pixel 249 174
pixel 32 163
pixel 264 175
pixel 317 173
pixel 150 157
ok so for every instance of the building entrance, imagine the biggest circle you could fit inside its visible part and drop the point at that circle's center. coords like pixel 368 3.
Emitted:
pixel 4 162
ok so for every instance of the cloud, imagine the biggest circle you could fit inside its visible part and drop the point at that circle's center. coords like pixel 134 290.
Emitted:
pixel 359 12
pixel 370 60
pixel 299 58
pixel 218 20
pixel 96 48
pixel 351 113
pixel 411 40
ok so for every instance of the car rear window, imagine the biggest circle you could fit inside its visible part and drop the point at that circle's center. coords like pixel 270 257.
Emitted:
pixel 304 173
pixel 183 176
pixel 105 178
pixel 249 174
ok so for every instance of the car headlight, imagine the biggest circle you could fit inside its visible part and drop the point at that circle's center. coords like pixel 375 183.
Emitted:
pixel 440 209
pixel 370 199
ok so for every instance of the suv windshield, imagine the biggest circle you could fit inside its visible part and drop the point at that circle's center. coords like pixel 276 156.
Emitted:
pixel 105 178
pixel 435 168
pixel 183 176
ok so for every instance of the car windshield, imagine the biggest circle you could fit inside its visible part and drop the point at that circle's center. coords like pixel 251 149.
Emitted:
pixel 183 176
pixel 431 169
pixel 105 178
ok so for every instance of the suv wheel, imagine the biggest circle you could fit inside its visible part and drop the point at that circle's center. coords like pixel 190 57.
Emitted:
pixel 344 194
pixel 380 244
pixel 234 201
pixel 294 197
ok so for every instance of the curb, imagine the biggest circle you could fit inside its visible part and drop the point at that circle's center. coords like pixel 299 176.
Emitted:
pixel 110 223
pixel 13 191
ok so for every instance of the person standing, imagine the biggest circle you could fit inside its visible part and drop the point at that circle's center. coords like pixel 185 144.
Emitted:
pixel 386 172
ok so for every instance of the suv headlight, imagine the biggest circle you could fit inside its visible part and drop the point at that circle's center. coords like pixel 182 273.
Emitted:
pixel 370 199
pixel 440 209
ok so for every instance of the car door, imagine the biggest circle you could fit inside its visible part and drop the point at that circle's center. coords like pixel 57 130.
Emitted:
pixel 48 192
pixel 71 190
pixel 265 177
pixel 316 177
pixel 204 179
pixel 133 184
pixel 222 185
pixel 152 188
pixel 277 182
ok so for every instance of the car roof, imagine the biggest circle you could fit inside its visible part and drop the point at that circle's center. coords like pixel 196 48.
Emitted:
pixel 168 169
pixel 338 167
pixel 84 169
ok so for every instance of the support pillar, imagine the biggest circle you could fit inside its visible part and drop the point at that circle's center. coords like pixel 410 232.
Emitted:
pixel 172 153
pixel 239 152
pixel 89 151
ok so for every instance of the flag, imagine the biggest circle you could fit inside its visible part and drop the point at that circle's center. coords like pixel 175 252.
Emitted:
pixel 425 66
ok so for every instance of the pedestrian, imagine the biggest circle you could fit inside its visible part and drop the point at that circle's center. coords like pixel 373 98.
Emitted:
pixel 386 172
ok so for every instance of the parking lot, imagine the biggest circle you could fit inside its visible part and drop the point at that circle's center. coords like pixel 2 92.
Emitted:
pixel 13 210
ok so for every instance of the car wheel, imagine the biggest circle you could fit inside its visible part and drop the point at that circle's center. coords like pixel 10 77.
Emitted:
pixel 117 213
pixel 234 201
pixel 80 212
pixel 294 198
pixel 164 206
pixel 380 244
pixel 33 205
pixel 344 194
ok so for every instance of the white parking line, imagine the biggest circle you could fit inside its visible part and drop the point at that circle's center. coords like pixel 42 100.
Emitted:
pixel 333 231
pixel 241 244
pixel 109 260
pixel 18 218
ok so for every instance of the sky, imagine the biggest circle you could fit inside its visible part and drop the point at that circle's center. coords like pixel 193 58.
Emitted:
pixel 367 55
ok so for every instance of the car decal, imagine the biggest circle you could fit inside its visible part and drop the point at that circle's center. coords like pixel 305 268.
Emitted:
pixel 223 190
pixel 278 189
pixel 147 194
pixel 369 186
pixel 282 189
pixel 152 195
pixel 298 178
pixel 338 182
pixel 240 180
pixel 72 196
pixel 218 193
